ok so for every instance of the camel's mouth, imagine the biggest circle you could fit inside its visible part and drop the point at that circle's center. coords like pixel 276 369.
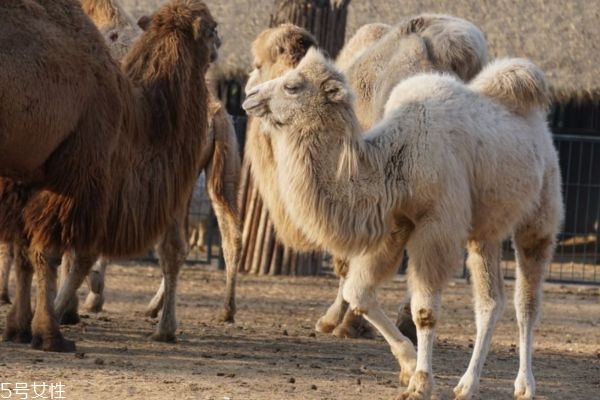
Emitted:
pixel 255 105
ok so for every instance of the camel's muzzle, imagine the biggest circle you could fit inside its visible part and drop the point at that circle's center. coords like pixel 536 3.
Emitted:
pixel 254 104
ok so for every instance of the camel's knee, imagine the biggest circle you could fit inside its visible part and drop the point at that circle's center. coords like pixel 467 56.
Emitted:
pixel 359 298
pixel 340 267
pixel 424 318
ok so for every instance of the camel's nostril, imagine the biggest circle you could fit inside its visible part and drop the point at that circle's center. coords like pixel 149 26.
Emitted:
pixel 252 92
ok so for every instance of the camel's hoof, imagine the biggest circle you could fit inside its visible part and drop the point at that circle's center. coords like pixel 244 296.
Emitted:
pixel 4 299
pixel 419 387
pixel 70 318
pixel 362 330
pixel 96 282
pixel 94 302
pixel 406 325
pixel 227 316
pixel 459 394
pixel 324 326
pixel 410 396
pixel 16 335
pixel 151 312
pixel 404 377
pixel 164 337
pixel 53 343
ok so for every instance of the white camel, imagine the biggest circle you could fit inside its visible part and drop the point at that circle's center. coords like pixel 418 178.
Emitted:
pixel 449 166
pixel 375 57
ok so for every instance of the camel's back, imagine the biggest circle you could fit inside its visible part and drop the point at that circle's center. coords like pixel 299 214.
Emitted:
pixel 51 60
pixel 465 142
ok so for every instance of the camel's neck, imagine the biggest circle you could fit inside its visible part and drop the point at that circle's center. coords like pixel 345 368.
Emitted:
pixel 333 185
pixel 161 148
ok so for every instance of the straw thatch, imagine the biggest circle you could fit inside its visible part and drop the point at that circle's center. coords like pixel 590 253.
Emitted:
pixel 560 36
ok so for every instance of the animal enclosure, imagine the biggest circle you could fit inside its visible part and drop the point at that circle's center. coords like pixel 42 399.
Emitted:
pixel 272 352
pixel 577 258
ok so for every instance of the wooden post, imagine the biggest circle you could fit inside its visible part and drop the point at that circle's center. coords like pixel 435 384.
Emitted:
pixel 262 253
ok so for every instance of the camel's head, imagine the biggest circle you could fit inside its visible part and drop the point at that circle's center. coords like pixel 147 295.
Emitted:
pixel 192 18
pixel 313 92
pixel 277 50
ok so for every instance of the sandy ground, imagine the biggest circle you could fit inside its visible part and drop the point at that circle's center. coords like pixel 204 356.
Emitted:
pixel 271 351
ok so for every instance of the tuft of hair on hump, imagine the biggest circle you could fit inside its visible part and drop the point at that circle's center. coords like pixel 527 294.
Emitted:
pixel 453 43
pixel 287 43
pixel 517 83
pixel 183 15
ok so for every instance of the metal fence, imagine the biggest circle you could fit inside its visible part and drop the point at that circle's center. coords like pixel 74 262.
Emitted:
pixel 577 258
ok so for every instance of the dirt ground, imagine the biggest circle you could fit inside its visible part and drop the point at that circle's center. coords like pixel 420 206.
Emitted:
pixel 271 351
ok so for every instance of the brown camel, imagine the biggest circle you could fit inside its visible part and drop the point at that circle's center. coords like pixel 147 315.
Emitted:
pixel 6 259
pixel 120 31
pixel 223 168
pixel 113 165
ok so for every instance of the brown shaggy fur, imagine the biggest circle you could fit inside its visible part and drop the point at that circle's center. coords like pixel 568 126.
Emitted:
pixel 117 27
pixel 111 181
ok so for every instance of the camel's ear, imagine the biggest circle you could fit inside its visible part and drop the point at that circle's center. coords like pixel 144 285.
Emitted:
pixel 335 90
pixel 144 22
pixel 196 28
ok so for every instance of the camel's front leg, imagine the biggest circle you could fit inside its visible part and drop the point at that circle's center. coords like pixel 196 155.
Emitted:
pixel 335 313
pixel 486 278
pixel 18 320
pixel 339 320
pixel 433 256
pixel 172 249
pixel 6 260
pixel 44 326
pixel 359 291
pixel 95 298
pixel 365 274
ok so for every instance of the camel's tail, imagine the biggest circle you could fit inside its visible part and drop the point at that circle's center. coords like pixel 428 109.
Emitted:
pixel 516 83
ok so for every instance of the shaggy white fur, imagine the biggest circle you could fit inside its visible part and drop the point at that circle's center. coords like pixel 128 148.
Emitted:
pixel 450 166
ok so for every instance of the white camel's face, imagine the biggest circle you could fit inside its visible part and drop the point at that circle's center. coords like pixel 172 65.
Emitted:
pixel 284 100
pixel 308 94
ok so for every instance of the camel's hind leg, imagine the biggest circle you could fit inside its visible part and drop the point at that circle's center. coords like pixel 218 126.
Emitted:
pixel 18 320
pixel 70 316
pixel 156 303
pixel 534 242
pixel 171 249
pixel 6 260
pixel 95 298
pixel 75 266
pixel 488 289
pixel 533 253
pixel 222 183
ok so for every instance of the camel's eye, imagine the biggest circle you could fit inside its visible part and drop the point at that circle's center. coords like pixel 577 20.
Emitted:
pixel 292 88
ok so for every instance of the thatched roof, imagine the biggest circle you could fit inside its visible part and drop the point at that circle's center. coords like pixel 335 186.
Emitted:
pixel 561 36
